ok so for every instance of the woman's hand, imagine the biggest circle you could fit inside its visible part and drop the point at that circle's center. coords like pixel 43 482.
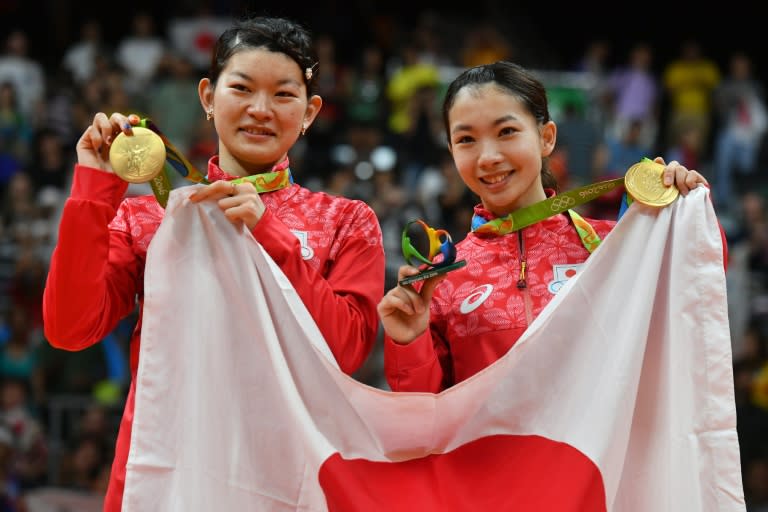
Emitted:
pixel 240 202
pixel 684 179
pixel 93 146
pixel 404 312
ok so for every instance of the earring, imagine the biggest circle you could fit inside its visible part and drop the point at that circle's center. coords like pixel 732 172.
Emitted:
pixel 303 130
pixel 209 114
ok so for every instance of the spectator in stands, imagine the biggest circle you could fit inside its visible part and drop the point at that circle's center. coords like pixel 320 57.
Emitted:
pixel 741 109
pixel 140 54
pixel 689 81
pixel 16 132
pixel 633 90
pixel 25 73
pixel 28 438
pixel 80 58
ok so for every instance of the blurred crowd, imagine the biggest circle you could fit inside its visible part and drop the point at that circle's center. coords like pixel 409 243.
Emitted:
pixel 379 138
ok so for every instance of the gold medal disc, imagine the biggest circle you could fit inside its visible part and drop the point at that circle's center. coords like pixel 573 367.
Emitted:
pixel 137 158
pixel 644 182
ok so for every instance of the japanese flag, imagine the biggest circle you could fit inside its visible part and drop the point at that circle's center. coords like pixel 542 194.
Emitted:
pixel 618 397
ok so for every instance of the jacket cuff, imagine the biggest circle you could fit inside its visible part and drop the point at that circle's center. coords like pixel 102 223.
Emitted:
pixel 97 185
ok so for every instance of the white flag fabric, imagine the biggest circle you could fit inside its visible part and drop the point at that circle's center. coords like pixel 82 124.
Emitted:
pixel 619 396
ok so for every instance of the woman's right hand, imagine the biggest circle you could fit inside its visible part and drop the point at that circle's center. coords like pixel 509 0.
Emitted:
pixel 93 146
pixel 404 311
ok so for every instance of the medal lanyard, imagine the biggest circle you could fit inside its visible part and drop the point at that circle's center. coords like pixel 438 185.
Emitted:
pixel 643 182
pixel 161 184
pixel 280 176
pixel 541 210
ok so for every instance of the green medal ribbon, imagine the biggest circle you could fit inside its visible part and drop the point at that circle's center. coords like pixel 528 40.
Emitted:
pixel 279 177
pixel 547 208
pixel 174 159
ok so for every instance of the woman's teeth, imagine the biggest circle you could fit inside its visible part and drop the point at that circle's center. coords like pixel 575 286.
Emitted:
pixel 495 179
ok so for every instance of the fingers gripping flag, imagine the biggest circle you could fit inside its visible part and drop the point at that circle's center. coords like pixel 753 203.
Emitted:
pixel 619 397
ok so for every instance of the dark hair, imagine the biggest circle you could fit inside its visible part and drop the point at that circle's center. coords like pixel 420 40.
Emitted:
pixel 278 35
pixel 518 82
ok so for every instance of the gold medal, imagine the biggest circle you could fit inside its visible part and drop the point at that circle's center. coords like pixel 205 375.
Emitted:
pixel 644 182
pixel 137 158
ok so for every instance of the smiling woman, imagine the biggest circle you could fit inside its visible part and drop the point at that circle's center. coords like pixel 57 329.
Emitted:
pixel 258 115
pixel 260 96
pixel 500 135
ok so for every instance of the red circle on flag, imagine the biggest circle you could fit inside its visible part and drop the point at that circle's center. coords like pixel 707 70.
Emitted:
pixel 501 472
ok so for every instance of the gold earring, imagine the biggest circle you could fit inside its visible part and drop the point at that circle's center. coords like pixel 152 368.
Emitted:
pixel 303 130
pixel 209 114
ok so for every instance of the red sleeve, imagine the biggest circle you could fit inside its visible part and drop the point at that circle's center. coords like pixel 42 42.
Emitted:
pixel 415 366
pixel 92 278
pixel 341 297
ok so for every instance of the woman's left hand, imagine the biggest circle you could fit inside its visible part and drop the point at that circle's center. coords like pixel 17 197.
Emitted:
pixel 240 202
pixel 684 179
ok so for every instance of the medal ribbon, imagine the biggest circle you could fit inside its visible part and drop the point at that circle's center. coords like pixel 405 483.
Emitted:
pixel 547 208
pixel 279 177
pixel 174 159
